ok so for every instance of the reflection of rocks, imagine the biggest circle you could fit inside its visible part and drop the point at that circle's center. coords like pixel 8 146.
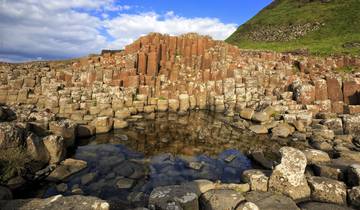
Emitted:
pixel 288 177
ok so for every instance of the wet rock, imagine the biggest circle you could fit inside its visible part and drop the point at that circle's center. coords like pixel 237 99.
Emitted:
pixel 5 193
pixel 322 206
pixel 169 197
pixel 85 131
pixel 15 182
pixel 270 201
pixel 57 202
pixel 36 148
pixel 11 135
pixel 66 168
pixel 124 183
pixel 353 178
pixel 314 156
pixel 282 130
pixel 247 113
pixel 55 146
pixel 66 129
pixel 288 177
pixel 354 196
pixel 259 129
pixel 87 178
pixel 260 117
pixel 162 105
pixel 119 124
pixel 327 190
pixel 62 187
pixel 220 199
pixel 257 179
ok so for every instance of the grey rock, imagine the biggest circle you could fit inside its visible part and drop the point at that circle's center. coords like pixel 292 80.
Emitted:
pixel 327 190
pixel 288 177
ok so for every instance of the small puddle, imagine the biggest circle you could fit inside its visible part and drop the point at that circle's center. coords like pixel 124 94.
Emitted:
pixel 128 163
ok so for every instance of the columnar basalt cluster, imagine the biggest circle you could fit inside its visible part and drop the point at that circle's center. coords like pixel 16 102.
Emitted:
pixel 161 72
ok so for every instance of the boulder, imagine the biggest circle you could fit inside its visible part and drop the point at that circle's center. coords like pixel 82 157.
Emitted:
pixel 174 197
pixel 36 149
pixel 260 117
pixel 282 130
pixel 351 124
pixel 221 199
pixel 354 196
pixel 257 179
pixel 57 202
pixel 288 177
pixel 353 175
pixel 247 113
pixel 304 94
pixel 316 156
pixel 66 129
pixel 11 135
pixel 327 190
pixel 259 129
pixel 66 168
pixel 270 201
pixel 55 146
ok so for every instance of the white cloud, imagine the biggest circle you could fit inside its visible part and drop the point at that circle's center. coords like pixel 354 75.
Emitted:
pixel 70 28
pixel 127 27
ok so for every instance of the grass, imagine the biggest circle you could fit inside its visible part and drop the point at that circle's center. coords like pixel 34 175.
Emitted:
pixel 341 21
pixel 12 163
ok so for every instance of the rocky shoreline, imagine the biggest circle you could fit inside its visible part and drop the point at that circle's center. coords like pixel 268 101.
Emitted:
pixel 50 105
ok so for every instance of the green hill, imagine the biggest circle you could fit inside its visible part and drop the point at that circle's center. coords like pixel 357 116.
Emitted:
pixel 320 27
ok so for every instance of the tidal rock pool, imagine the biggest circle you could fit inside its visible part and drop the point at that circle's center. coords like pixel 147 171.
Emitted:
pixel 128 164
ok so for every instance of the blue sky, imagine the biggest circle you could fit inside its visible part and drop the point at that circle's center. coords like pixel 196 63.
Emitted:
pixel 42 29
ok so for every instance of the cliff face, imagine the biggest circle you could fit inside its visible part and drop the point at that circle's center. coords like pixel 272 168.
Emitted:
pixel 320 26
pixel 161 72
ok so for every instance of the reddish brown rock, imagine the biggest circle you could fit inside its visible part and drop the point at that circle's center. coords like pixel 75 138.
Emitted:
pixel 351 92
pixel 334 89
pixel 321 90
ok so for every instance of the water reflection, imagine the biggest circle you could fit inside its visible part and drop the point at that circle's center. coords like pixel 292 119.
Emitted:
pixel 127 164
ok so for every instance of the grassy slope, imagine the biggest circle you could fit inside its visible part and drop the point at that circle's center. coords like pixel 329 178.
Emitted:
pixel 341 18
